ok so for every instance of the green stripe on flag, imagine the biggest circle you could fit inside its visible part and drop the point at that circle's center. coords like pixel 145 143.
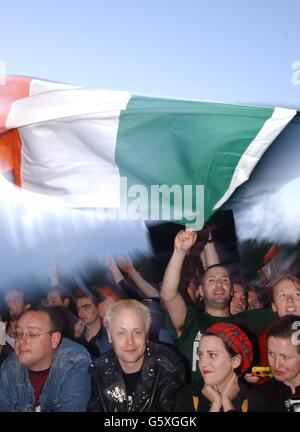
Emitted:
pixel 172 142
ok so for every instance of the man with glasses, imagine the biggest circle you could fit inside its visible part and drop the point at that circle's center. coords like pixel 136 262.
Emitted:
pixel 89 329
pixel 46 372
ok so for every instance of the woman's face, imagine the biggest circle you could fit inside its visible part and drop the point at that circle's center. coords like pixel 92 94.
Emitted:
pixel 215 363
pixel 286 298
pixel 284 359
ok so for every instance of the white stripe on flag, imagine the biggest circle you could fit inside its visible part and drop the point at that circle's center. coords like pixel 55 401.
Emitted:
pixel 65 103
pixel 73 158
pixel 270 130
pixel 38 86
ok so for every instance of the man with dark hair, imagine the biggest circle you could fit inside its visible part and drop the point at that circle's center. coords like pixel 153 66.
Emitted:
pixel 257 298
pixel 57 296
pixel 238 301
pixel 46 372
pixel 89 329
pixel 283 391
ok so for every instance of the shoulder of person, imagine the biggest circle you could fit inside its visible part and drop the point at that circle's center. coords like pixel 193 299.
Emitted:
pixel 189 397
pixel 195 314
pixel 106 359
pixel 268 387
pixel 265 312
pixel 166 356
pixel 195 319
pixel 12 368
pixel 257 400
pixel 11 361
pixel 192 389
pixel 72 350
pixel 158 349
pixel 248 389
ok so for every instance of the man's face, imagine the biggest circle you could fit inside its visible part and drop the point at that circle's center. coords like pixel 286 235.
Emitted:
pixel 253 302
pixel 54 299
pixel 238 302
pixel 216 288
pixel 284 360
pixel 286 298
pixel 35 343
pixel 127 333
pixel 15 303
pixel 87 310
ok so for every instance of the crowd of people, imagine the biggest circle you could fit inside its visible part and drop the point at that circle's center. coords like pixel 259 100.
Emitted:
pixel 186 344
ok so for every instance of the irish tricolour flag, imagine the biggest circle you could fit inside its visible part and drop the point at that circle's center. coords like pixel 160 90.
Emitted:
pixel 101 148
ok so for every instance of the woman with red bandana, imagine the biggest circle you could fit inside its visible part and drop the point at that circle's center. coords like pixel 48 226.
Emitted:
pixel 225 354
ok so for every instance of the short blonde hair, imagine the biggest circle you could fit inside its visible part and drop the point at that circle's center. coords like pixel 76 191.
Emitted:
pixel 127 304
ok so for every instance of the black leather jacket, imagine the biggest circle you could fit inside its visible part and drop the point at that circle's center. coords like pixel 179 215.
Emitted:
pixel 162 375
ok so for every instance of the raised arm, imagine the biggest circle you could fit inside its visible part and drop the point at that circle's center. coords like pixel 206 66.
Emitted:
pixel 145 287
pixel 124 284
pixel 170 296
pixel 114 269
pixel 210 252
pixel 53 274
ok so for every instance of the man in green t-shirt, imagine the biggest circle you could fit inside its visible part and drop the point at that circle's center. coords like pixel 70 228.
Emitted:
pixel 216 289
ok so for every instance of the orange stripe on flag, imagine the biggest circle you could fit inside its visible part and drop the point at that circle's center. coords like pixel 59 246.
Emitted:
pixel 10 154
pixel 14 88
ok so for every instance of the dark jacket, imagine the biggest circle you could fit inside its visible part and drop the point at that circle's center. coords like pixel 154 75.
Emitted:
pixel 191 399
pixel 162 375
pixel 280 397
pixel 97 345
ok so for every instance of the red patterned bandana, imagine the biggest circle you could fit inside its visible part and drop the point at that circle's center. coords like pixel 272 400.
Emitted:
pixel 235 339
